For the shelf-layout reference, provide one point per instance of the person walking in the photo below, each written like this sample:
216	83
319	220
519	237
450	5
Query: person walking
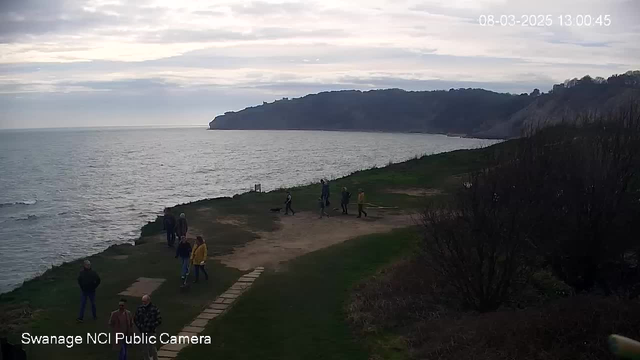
147	320
344	201
169	224
89	282
287	203
326	192
199	257
361	203
183	251
121	322
182	226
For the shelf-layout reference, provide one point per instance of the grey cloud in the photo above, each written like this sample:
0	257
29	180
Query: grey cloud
128	84
22	19
381	82
211	13
76	23
264	8
217	35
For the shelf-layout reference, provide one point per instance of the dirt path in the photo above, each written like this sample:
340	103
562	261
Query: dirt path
304	233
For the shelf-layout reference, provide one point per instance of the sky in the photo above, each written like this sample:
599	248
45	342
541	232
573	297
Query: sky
67	63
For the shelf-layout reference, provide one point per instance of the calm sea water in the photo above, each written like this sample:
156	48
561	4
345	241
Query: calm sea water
74	192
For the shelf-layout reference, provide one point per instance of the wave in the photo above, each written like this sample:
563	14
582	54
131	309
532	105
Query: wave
25	202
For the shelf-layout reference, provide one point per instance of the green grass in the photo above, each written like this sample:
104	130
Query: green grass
57	297
317	284
299	313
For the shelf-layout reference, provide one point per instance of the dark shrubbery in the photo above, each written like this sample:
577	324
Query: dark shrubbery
408	300
566	198
535	256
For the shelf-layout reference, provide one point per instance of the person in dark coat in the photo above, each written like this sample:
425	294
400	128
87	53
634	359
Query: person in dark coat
182	227
325	192
344	201
184	253
89	282
147	320
169	223
287	203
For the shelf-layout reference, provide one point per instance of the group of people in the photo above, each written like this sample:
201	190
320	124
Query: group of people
323	201
147	316
146	319
175	228
189	256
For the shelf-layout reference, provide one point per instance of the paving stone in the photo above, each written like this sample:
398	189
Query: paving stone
218	306
189	334
242	285
199	322
142	286
260	268
212	311
207	316
228	296
193	329
251	275
219	300
246	279
165	354
233	292
173	347
229	301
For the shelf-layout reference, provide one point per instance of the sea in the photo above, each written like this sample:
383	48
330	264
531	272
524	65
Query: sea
70	193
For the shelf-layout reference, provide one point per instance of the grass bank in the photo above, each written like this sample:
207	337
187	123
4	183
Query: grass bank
299	313
313	293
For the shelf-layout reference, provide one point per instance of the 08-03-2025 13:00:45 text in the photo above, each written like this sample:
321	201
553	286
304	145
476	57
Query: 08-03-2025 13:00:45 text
545	20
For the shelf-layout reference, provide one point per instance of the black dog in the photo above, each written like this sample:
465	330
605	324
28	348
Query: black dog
276	210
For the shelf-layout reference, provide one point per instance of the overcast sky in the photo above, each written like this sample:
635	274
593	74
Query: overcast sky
116	62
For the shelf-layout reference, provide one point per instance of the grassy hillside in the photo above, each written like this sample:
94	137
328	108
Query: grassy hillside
48	305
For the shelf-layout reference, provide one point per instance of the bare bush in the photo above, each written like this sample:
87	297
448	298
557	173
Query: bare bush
566	195
481	243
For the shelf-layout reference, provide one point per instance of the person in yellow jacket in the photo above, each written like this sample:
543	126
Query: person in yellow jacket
199	257
361	203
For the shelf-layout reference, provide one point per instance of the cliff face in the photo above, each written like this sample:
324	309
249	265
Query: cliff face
472	112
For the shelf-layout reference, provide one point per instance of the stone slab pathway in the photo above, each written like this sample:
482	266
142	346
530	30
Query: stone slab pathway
217	308
142	286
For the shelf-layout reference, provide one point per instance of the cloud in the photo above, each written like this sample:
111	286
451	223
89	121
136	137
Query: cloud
184	52
263	8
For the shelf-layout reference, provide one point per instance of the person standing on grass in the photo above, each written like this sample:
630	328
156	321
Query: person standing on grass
288	205
199	257
169	223
89	282
147	320
121	322
344	202
184	252
182	226
361	204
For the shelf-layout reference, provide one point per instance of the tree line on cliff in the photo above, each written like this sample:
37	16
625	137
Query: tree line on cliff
468	112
